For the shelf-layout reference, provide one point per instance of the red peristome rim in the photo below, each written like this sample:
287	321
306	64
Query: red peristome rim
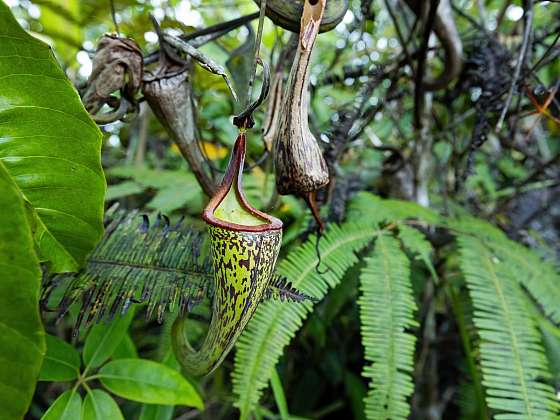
235	170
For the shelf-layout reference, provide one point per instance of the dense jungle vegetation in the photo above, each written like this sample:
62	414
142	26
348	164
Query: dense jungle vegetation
350	208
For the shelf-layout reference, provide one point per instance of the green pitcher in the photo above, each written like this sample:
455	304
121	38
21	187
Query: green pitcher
245	244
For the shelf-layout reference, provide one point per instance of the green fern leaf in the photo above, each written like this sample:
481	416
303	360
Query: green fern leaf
275	324
374	210
416	243
135	263
538	276
512	357
386	312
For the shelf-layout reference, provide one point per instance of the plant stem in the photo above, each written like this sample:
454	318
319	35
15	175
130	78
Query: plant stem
457	309
279	395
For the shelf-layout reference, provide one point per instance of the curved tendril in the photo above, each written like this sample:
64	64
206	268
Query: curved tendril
117	114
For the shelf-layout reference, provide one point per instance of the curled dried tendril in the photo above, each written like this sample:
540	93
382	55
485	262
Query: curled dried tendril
117	68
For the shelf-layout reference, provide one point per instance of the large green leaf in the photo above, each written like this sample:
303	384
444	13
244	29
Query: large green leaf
22	341
62	361
50	147
148	382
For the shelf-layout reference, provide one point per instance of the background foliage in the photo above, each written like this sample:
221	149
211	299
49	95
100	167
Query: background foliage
423	310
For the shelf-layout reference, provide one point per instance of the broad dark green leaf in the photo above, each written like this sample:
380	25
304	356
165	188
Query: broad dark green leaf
104	338
149	382
98	405
50	147
22	341
68	406
62	361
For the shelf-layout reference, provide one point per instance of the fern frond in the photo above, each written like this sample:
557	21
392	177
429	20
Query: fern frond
416	243
281	289
135	263
372	209
386	312
275	324
540	277
512	357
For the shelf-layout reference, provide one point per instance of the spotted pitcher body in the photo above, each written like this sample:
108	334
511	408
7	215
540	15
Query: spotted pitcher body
245	245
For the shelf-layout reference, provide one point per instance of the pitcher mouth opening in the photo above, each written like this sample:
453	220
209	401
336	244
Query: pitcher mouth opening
229	208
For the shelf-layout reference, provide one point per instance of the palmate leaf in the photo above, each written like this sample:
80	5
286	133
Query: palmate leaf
386	312
50	147
512	356
275	323
161	265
